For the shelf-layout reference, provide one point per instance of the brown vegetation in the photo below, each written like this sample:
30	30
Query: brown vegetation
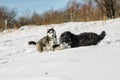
74	11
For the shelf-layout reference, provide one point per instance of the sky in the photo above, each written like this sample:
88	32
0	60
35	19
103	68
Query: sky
39	6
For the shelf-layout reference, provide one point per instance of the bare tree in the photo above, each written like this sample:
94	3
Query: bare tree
73	6
107	7
8	15
36	19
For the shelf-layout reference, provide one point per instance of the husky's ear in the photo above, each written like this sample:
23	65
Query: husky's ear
47	28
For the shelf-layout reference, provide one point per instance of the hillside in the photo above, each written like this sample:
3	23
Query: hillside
19	61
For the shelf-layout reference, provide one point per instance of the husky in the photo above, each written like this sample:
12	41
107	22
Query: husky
58	47
47	42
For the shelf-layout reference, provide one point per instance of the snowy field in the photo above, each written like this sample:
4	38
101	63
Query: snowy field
19	61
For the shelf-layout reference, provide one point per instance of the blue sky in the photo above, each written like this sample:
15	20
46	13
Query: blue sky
39	6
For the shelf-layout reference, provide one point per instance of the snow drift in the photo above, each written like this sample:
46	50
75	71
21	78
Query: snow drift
19	61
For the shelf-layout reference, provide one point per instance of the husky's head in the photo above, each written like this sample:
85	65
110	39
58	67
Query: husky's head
51	33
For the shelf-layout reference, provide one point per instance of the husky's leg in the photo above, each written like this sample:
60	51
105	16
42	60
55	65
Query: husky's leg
39	47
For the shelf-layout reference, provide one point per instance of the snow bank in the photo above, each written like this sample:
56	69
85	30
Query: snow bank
19	61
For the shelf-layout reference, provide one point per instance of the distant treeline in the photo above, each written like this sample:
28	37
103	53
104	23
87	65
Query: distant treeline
75	11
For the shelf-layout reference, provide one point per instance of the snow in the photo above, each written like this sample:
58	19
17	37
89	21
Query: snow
19	61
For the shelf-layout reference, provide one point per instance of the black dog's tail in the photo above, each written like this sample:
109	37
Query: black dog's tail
32	43
102	35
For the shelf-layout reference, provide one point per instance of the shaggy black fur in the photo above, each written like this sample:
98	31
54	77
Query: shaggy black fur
83	39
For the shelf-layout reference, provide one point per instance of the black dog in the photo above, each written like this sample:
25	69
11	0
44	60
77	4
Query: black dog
83	39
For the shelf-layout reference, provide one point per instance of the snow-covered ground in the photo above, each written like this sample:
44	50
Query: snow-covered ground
19	61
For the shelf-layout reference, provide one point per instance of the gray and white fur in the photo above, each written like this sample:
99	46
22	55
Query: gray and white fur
58	47
47	42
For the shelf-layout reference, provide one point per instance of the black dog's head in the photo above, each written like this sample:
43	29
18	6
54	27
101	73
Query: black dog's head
66	38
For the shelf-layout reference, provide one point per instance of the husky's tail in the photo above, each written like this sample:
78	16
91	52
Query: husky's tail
102	35
32	43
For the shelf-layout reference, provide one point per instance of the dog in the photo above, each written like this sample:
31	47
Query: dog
58	47
83	39
46	43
